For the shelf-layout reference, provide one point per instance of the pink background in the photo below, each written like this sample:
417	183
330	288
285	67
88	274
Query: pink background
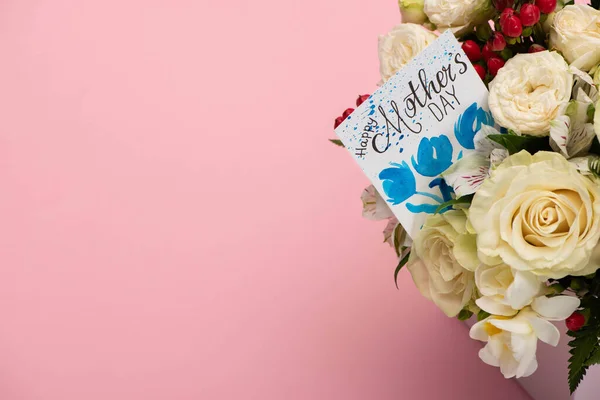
174	224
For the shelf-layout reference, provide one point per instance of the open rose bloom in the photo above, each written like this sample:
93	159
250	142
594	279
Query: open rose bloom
520	251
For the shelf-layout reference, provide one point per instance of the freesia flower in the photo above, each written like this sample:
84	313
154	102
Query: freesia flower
505	291
512	342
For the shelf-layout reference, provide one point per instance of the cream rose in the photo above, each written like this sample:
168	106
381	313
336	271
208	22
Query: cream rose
530	91
537	213
460	16
575	32
443	259
400	45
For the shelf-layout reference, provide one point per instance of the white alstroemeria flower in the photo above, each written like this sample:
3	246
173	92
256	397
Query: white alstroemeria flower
572	134
512	342
505	291
374	206
467	174
395	235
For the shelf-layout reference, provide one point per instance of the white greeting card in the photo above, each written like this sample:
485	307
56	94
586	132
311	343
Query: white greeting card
415	126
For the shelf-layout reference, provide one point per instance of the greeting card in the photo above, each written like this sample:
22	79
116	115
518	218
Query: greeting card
416	126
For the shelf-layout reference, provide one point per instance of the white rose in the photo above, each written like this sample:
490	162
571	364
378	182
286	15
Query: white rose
575	32
505	291
442	260
512	343
412	11
537	213
530	91
460	16
400	45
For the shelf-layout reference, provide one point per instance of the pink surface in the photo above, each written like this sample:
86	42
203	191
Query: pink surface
175	224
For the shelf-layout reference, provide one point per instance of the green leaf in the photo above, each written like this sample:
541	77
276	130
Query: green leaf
594	358
337	142
514	143
585	343
481	315
461	200
401	264
464	315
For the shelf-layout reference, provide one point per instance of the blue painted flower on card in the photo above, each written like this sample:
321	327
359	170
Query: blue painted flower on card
398	183
434	156
469	123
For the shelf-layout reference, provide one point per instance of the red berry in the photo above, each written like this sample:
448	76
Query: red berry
480	70
512	26
575	322
535	48
506	13
494	64
347	113
472	50
338	122
497	42
502	4
546	6
487	52
361	99
530	14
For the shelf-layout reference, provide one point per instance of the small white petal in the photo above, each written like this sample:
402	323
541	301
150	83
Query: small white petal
523	289
555	308
478	331
491	304
545	331
487	357
515	325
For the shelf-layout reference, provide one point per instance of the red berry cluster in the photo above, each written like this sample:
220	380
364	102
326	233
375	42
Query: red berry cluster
492	61
514	33
360	99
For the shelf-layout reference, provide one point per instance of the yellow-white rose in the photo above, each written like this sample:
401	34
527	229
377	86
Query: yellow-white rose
460	16
530	91
537	213
575	32
443	259
400	45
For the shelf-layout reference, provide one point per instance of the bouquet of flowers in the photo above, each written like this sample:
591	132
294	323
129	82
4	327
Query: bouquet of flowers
516	245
